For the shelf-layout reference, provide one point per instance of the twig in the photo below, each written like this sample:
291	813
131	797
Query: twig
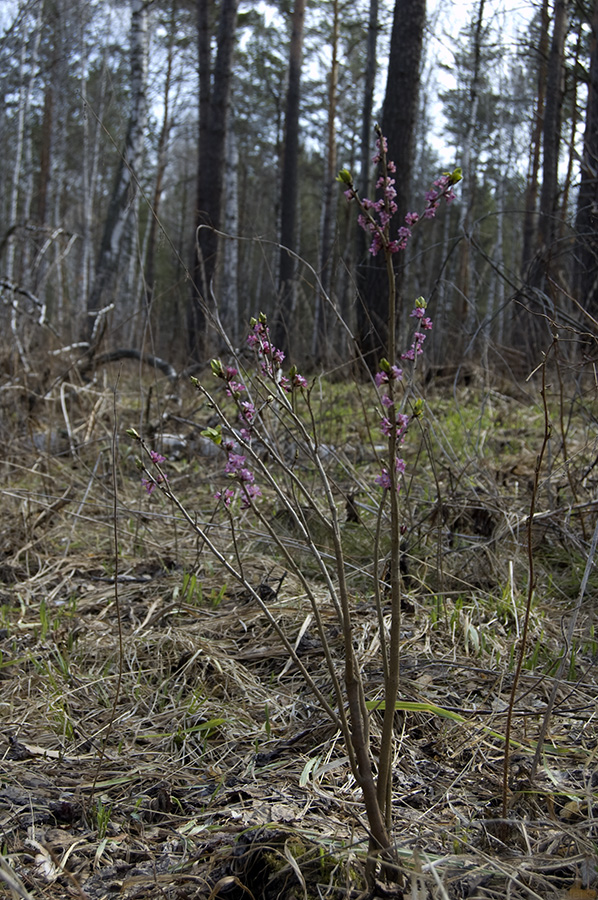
563	659
530	594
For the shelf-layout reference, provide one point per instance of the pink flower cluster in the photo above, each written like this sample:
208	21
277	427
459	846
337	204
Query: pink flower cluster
270	357
150	484
270	362
236	468
423	322
443	189
376	215
386	376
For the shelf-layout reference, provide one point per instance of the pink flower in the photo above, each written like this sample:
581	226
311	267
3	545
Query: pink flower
150	486
234	463
248	411
250	492
156	457
226	496
383	480
234	387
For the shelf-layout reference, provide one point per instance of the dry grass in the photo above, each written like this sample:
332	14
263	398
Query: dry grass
190	760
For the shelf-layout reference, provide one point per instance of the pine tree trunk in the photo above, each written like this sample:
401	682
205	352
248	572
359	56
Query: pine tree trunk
531	192
465	312
283	322
547	226
213	111
399	116
586	248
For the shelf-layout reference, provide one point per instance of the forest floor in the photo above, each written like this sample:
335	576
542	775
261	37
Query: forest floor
160	742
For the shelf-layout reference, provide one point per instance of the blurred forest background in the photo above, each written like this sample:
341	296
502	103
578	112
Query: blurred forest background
125	126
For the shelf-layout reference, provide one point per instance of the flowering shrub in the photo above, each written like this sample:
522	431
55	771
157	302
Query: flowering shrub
264	403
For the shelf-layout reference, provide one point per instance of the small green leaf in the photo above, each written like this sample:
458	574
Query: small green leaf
217	368
344	176
213	434
418	408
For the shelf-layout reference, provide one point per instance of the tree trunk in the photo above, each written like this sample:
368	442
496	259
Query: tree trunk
547	225
214	96
465	303
150	265
125	187
531	192
229	282
322	340
398	125
283	322
586	248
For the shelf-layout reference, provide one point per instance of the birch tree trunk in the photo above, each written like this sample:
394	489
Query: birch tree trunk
20	200
162	159
229	277
125	186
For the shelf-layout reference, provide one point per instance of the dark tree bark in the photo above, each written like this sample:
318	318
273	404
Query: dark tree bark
398	125
547	225
531	191
283	322
529	318
365	163
464	304
214	93
586	250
